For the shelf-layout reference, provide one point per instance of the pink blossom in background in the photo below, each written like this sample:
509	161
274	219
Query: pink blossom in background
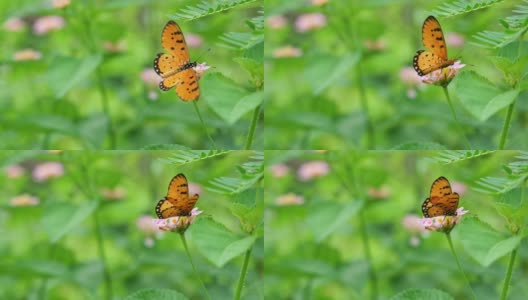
289	199
27	54
454	39
146	224
47	170
276	22
413	224
60	3
150	77
279	170
379	193
459	187
14	24
46	24
375	45
14	171
312	169
24	200
193	40
153	95
114	47
319	2
116	193
311	21
412	80
287	51
55	151
195	188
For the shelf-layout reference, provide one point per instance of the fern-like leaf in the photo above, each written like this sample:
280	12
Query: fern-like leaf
250	173
517	174
246	40
453	156
184	157
463	6
206	8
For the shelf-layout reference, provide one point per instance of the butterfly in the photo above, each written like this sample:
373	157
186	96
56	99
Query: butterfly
175	67
425	62
177	202
442	201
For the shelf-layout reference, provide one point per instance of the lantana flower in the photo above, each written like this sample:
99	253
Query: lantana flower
178	223
443	77
444	223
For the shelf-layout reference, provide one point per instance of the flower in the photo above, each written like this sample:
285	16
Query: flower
443	223
46	24
454	40
194	188
115	193
443	77
115	47
289	199
312	169
379	193
459	187
24	200
200	69
375	45
311	21
287	51
179	223
150	77
60	3
146	224
27	54
319	2
193	40
279	170
14	24
276	22
47	170
412	81
14	171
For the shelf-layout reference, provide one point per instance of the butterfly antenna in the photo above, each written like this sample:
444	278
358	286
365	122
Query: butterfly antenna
203	52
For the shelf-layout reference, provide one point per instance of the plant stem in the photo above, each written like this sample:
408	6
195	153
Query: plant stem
446	92
506	126
252	127
106	110
100	248
243	272
184	241
368	256
371	144
506	284
203	125
448	235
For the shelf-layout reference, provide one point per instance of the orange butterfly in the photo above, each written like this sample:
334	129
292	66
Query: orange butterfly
177	202
425	62
175	68
442	202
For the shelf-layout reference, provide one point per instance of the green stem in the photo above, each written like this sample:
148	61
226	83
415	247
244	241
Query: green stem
448	235
446	92
371	144
203	125
252	127
106	110
506	126
506	283
184	241
243	272
100	248
368	257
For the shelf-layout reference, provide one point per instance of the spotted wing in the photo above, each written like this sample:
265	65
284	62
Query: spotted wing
165	209
165	64
173	41
178	195
442	200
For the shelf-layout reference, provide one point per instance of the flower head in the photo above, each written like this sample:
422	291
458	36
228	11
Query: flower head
319	2
60	3
290	199
444	223
193	40
179	223
200	69
279	170
382	192
443	77
46	24
150	77
116	193
14	24
47	170
14	171
311	21
287	51
277	21
146	225
24	200
312	169
27	54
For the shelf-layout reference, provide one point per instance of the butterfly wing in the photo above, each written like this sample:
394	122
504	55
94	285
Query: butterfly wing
187	87
424	62
173	41
165	209
178	195
442	200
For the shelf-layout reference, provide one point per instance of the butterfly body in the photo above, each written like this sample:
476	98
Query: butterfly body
435	57
175	68
177	202
442	200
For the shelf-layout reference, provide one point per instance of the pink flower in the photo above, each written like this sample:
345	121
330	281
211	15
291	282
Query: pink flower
27	54
319	2
116	193
443	77
14	171
375	45
47	170
379	193
200	69
150	77
412	81
14	24
287	51
454	40
193	40
312	169
179	223
115	47
146	225
24	200
289	199
277	22
311	21
153	95
46	24
195	188
413	224
279	170
444	223
60	3
459	187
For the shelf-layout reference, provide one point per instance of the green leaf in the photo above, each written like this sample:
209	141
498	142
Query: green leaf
217	243
254	68
165	147
60	218
66	72
420	294
158	294
51	123
499	102
325	70
326	217
474	92
484	243
419	146
247	209
227	99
